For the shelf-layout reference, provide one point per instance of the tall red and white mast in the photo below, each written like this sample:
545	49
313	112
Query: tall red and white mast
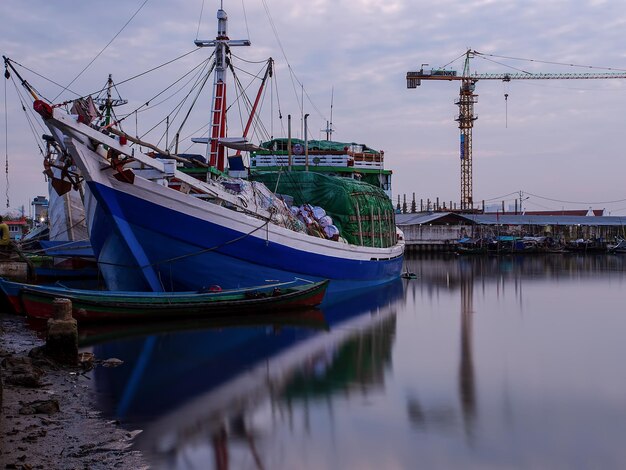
215	151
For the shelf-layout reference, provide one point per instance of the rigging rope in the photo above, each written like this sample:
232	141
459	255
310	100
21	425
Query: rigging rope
31	119
264	61
99	91
44	78
147	103
242	94
158	66
292	73
245	17
188	255
206	250
45	237
103	49
176	108
200	19
280	114
6	140
194	101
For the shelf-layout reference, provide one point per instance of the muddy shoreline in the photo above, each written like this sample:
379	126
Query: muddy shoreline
48	417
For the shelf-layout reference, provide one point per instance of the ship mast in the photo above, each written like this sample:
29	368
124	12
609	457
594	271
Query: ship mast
107	104
217	130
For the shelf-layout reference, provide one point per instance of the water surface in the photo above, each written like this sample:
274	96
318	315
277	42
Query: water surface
511	362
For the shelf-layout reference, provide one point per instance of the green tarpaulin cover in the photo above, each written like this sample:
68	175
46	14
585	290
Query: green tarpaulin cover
363	213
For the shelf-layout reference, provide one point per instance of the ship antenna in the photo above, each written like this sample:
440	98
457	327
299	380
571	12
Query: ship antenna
329	125
330	128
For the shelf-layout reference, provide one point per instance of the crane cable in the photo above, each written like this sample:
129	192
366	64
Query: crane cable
550	62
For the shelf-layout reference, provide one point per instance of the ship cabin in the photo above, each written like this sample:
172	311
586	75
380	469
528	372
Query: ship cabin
350	160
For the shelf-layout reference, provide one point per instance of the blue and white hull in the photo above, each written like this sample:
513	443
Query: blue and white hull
188	252
148	236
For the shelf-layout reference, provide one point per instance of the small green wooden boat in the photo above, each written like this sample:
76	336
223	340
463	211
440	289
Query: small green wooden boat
94	305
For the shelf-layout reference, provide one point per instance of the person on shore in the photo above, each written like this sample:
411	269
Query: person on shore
5	236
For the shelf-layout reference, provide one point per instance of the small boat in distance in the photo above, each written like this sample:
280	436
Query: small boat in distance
94	305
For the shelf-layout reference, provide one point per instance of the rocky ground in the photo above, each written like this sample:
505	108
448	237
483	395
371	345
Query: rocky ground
48	419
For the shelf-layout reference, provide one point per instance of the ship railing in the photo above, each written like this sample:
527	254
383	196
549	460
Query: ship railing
368	160
300	160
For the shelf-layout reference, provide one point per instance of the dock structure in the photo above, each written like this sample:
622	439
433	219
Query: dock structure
441	231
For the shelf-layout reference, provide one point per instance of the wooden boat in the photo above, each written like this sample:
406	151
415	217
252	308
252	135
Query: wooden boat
618	247
11	291
590	246
94	305
214	217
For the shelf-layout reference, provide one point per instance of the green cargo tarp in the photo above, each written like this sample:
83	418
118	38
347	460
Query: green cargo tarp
363	213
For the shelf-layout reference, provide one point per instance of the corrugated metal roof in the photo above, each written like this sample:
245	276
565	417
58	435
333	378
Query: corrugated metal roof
511	219
422	218
506	219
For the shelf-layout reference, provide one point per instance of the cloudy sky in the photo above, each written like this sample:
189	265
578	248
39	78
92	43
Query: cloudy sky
558	141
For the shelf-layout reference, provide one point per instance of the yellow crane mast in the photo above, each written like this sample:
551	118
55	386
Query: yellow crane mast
467	99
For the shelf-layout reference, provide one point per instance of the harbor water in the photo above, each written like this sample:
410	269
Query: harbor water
479	363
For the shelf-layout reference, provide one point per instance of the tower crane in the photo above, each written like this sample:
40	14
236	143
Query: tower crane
467	99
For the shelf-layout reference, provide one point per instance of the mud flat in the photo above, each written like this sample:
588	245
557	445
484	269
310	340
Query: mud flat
48	419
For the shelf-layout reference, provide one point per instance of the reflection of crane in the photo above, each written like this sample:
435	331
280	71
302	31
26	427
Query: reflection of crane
467	98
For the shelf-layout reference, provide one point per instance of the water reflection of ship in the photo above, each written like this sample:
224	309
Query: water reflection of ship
446	271
195	388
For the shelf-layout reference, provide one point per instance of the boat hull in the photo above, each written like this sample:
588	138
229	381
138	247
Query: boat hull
91	306
149	236
189	252
11	291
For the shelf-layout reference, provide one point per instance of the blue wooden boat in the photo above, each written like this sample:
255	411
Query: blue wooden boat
155	225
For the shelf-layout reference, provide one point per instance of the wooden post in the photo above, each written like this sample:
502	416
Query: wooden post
289	162
380	229
373	235
62	340
358	218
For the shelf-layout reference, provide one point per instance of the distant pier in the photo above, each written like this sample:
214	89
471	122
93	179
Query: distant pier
441	231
